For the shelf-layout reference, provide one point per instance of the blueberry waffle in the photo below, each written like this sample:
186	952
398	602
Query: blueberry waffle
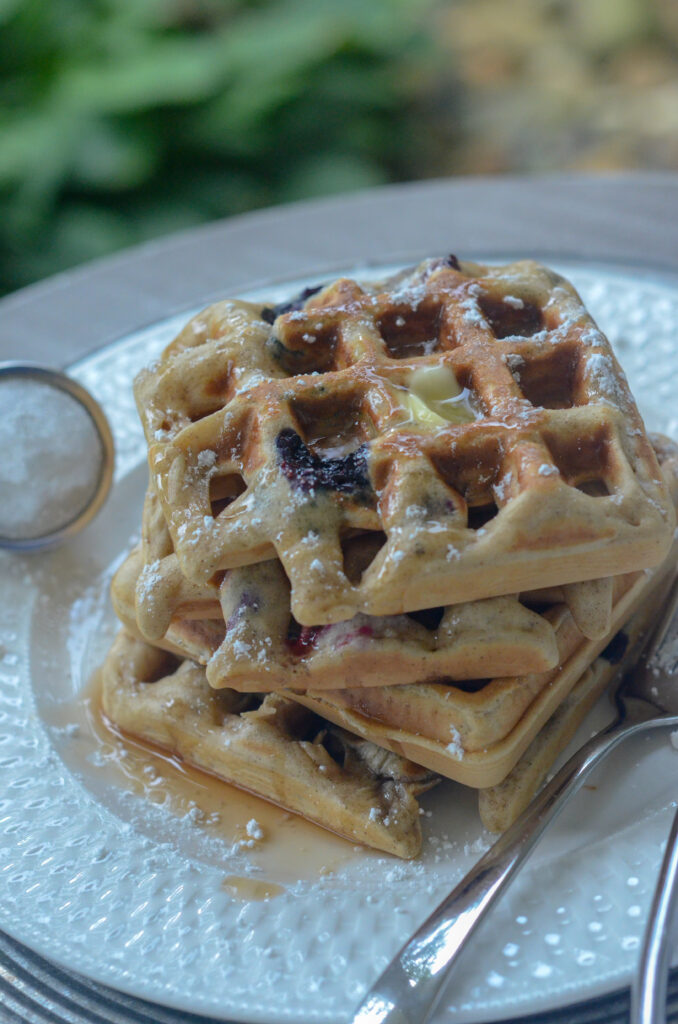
436	715
269	746
476	733
473	732
472	420
244	631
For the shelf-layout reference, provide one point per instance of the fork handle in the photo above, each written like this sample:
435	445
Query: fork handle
648	992
410	987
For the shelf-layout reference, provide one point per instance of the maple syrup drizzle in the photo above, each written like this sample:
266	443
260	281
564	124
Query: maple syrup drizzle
283	848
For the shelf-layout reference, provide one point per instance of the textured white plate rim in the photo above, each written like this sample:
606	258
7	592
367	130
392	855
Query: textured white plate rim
172	991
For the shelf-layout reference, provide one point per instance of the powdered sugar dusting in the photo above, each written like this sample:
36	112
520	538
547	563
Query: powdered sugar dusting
603	378
455	747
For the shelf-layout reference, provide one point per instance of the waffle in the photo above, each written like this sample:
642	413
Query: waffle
286	438
151	589
255	644
500	805
476	734
473	734
245	634
195	638
269	746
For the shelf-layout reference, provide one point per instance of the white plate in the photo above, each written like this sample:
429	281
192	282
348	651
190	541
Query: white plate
122	890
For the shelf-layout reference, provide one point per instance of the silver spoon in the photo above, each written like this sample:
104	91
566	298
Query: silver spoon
409	989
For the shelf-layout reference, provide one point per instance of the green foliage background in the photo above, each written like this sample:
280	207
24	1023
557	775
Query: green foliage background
121	120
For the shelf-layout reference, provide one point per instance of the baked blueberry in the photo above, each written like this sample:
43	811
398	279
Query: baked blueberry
270	313
304	469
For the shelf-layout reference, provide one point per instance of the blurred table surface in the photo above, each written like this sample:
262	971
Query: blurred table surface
627	218
622	219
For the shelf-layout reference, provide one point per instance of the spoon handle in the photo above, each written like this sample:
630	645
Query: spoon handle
648	992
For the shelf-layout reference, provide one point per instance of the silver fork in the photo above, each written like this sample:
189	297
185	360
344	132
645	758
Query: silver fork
648	991
411	986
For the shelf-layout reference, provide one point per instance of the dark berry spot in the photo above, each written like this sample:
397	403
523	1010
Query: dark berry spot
301	639
452	261
616	649
430	618
468	685
305	470
270	313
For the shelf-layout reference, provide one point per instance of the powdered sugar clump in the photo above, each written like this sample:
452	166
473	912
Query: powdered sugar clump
254	829
472	312
455	746
253	835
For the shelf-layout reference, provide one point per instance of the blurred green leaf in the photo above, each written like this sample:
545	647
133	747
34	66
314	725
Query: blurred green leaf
330	174
23	141
7	9
106	156
168	71
76	233
120	120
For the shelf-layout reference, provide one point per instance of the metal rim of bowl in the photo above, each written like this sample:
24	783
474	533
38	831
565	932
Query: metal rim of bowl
60	380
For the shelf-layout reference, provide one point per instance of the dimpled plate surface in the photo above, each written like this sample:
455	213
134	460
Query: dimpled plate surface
112	887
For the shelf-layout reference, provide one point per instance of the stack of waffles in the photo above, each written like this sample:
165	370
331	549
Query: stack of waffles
394	532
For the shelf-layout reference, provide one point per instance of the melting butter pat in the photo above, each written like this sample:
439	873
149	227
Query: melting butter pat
435	398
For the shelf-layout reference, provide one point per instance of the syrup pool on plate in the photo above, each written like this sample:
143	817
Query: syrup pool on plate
279	847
